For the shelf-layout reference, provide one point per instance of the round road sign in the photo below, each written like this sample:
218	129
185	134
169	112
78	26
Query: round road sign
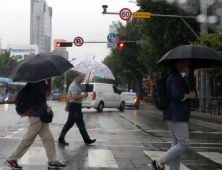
78	41
125	14
111	37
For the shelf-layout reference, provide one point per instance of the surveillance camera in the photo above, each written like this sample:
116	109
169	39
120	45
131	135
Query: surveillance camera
105	6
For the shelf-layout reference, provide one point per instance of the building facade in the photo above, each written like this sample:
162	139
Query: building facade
21	52
41	25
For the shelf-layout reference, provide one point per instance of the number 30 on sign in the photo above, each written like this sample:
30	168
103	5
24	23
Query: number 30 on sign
125	14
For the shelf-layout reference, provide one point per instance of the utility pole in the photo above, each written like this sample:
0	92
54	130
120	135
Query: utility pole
204	90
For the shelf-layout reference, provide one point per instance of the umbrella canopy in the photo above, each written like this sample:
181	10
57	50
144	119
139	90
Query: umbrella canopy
200	56
40	67
89	66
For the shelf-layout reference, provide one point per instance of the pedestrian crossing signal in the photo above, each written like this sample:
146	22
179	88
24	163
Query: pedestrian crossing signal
63	44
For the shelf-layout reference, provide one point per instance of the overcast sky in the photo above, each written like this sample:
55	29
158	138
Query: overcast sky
71	18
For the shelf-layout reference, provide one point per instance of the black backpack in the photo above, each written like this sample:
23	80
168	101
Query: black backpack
159	94
24	100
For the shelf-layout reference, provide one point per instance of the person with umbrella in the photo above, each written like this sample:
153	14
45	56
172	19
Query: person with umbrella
35	70
176	115
74	107
36	127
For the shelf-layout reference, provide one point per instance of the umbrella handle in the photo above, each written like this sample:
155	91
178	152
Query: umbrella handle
87	86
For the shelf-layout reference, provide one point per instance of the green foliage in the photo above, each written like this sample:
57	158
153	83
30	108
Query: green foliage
213	41
58	82
162	33
6	64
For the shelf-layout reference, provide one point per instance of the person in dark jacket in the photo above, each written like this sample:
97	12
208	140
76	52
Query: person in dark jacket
176	116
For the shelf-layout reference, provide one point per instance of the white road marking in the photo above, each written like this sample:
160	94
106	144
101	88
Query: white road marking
15	132
205	124
155	155
34	156
125	146
100	130
162	131
214	156
116	141
8	136
101	159
20	129
205	147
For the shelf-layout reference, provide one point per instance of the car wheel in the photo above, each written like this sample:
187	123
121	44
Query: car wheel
100	107
122	106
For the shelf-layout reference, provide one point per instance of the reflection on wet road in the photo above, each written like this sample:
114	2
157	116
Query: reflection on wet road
125	140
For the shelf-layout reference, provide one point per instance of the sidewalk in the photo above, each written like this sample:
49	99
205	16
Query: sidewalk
195	115
207	117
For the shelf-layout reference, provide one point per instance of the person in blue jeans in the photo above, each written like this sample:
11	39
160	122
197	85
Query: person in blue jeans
36	127
176	116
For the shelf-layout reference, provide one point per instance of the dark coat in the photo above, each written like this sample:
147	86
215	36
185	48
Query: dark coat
176	89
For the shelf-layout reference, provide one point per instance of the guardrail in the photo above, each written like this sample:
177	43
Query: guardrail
204	105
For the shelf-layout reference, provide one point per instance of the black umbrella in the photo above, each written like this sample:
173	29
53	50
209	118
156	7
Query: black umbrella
40	67
200	56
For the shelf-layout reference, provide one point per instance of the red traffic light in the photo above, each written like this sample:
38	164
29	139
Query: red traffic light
121	45
58	44
63	44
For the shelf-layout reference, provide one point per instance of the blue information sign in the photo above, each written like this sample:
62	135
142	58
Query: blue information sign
111	37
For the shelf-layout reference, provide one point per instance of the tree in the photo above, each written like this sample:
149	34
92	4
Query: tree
163	33
58	82
6	64
213	41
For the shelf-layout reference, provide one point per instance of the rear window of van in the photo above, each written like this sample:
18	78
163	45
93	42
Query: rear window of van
86	87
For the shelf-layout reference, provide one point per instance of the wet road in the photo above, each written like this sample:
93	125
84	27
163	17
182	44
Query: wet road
125	140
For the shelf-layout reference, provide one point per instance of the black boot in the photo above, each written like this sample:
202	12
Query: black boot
89	141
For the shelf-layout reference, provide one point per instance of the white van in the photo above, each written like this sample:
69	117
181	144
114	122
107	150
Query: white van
102	96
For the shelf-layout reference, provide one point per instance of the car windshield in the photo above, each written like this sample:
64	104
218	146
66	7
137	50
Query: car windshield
13	88
3	88
86	87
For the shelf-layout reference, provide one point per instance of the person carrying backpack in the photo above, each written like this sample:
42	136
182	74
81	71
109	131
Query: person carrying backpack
30	102
176	114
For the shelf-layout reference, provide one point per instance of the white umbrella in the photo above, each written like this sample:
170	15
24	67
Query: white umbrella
89	66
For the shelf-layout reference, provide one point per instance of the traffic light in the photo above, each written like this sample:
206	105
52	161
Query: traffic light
63	44
123	44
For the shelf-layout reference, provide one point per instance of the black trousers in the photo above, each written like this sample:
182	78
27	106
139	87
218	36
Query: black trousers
75	116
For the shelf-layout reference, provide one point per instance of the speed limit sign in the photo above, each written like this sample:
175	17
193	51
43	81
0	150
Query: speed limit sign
125	14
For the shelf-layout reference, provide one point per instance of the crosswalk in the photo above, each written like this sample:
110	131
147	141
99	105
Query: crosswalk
214	156
155	155
103	158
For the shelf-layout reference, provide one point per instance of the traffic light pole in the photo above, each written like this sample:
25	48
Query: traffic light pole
164	16
156	15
